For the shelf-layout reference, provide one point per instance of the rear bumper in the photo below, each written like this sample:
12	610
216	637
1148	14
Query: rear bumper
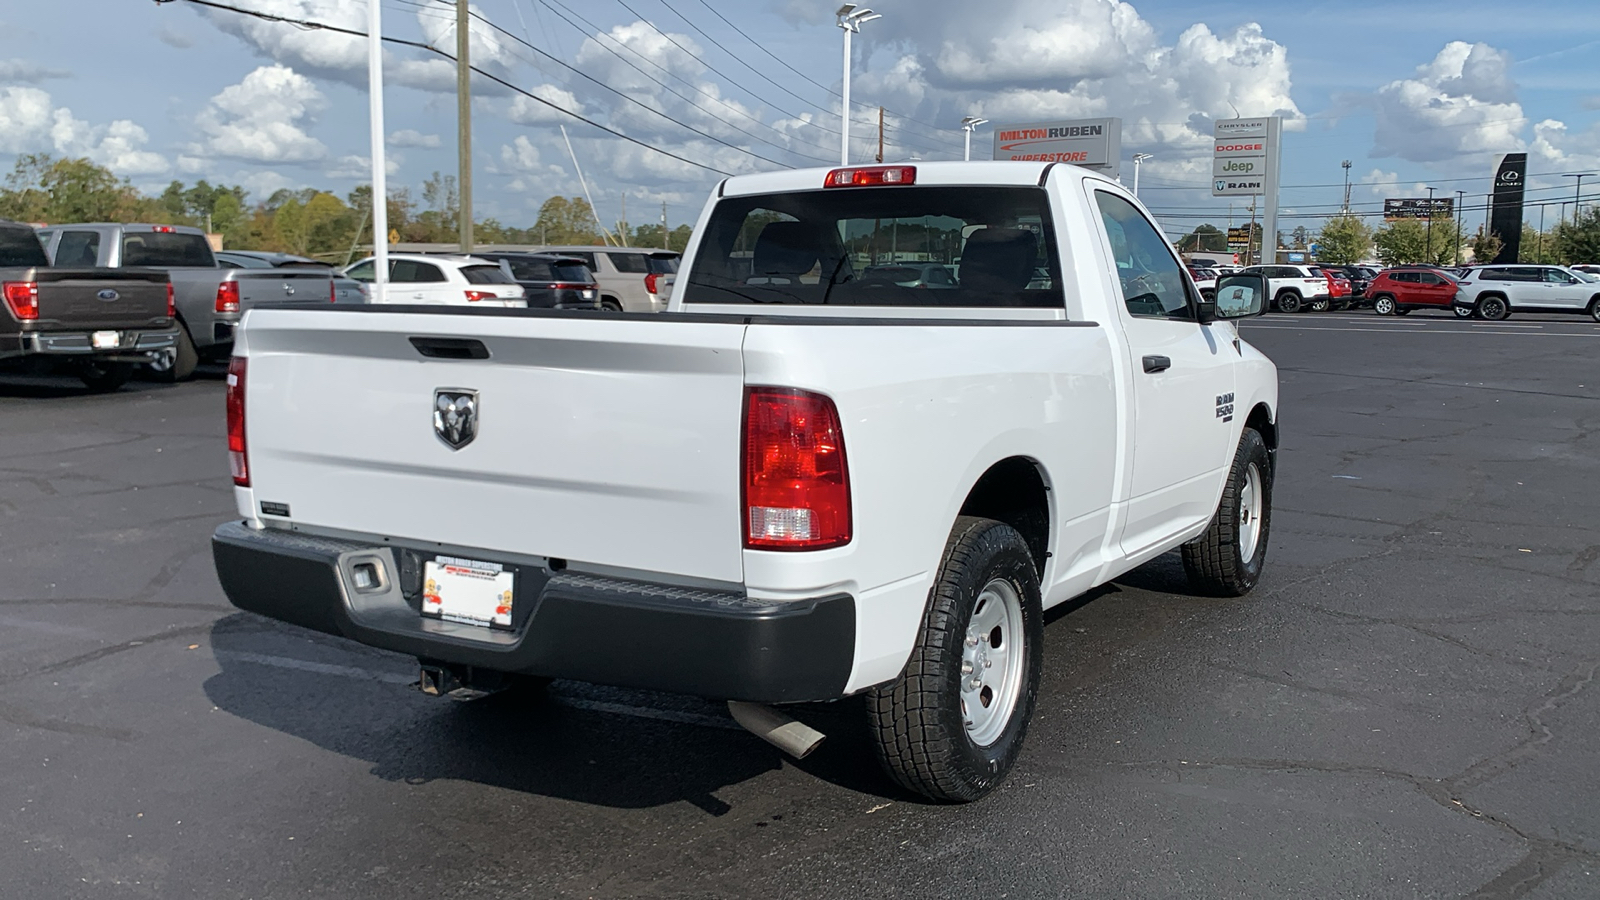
630	633
134	345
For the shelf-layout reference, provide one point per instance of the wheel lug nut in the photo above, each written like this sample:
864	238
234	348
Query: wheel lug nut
966	668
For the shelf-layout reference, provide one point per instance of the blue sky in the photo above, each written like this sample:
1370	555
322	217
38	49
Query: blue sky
1426	94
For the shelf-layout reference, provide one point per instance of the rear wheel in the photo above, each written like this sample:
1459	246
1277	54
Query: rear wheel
1463	312
176	364
1289	302
105	376
1320	305
611	304
1493	309
1227	560
951	726
1383	305
1594	309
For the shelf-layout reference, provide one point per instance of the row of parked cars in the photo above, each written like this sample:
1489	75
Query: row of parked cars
76	294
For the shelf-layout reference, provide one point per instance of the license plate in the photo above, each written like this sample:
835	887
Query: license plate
467	590
106	340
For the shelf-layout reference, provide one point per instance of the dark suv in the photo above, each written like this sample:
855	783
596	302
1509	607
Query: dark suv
1398	291
552	280
1360	278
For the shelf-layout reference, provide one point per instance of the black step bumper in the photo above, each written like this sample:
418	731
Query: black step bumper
630	633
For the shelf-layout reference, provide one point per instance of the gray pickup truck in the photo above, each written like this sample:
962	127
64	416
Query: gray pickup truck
100	323
210	299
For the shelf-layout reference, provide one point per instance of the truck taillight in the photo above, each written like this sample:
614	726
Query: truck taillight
23	299
795	478
333	291
869	176
228	297
172	303
238	455
475	296
651	282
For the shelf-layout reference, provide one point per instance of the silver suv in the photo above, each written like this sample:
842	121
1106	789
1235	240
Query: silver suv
1493	292
632	279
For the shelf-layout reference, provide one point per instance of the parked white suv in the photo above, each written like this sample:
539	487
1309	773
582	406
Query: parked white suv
1295	288
632	279
1492	292
443	281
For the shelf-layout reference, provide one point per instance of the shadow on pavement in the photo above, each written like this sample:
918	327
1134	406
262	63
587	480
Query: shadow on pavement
603	746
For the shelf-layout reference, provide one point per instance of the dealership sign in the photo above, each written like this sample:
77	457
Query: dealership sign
1418	208
1091	143
1244	156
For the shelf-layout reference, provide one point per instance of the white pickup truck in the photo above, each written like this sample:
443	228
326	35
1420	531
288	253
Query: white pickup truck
795	484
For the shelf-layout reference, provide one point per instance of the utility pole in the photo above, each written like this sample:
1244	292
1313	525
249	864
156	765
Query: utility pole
664	226
1461	198
1428	242
1346	164
1251	239
880	134
622	226
464	122
1577	195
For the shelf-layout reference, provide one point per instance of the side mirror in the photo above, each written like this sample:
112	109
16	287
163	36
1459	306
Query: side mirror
1238	296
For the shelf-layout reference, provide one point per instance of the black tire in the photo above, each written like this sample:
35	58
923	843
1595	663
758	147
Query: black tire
180	366
1493	308
1383	305
1462	312
1288	302
1594	309
917	721
1320	305
1215	561
104	377
1402	310
610	304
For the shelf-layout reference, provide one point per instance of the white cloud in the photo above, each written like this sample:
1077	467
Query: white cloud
31	122
261	119
172	37
1461	102
408	137
22	71
360	167
520	153
527	111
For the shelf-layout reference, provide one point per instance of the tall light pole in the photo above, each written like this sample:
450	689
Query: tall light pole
464	124
969	124
380	189
1461	197
1428	242
850	20
1346	165
1138	160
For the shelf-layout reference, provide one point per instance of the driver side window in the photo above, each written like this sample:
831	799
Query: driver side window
1152	281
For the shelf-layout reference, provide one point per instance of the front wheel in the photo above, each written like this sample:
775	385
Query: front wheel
610	305
1594	309
1493	309
1463	312
951	726
1383	305
1320	305
1289	302
1226	561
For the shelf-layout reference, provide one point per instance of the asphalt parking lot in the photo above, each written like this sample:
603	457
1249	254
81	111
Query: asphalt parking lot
1405	707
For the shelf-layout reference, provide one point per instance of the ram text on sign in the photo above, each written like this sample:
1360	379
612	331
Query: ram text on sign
1237	187
1091	143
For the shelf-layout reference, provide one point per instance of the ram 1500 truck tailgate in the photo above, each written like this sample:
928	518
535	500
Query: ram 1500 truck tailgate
603	441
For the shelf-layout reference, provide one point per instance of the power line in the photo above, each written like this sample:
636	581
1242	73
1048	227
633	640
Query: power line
667	88
323	26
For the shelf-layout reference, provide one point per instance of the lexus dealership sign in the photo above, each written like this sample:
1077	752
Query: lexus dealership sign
1091	143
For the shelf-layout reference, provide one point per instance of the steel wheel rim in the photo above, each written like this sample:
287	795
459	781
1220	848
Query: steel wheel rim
992	657
1250	512
1384	306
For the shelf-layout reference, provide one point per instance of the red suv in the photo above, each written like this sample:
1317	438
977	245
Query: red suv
1396	292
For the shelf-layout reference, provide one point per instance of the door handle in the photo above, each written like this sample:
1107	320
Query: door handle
1157	364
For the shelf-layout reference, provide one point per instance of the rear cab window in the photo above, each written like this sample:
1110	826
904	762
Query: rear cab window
78	248
20	247
662	264
164	248
815	247
630	263
486	275
530	269
572	271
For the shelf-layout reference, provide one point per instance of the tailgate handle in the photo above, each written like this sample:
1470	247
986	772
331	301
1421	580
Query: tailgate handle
1157	363
450	348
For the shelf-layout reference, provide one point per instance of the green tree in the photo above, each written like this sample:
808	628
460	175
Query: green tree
1204	237
566	220
1415	241
1537	246
1485	246
1578	241
1345	240
41	188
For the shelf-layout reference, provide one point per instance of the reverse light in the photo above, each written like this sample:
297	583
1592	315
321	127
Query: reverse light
868	176
796	482
22	297
475	296
228	297
238	455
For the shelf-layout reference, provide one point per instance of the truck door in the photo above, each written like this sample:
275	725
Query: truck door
1182	375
